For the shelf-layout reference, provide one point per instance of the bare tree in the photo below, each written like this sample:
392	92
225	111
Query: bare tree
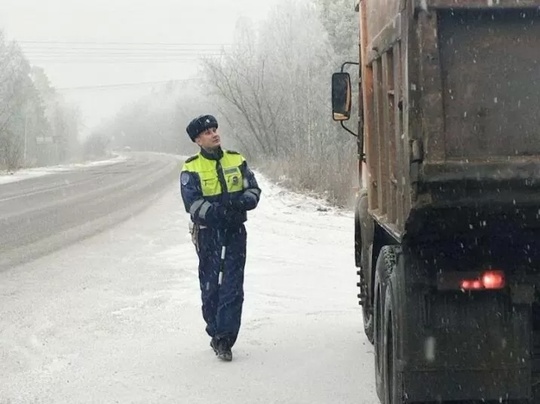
240	78
273	87
15	92
30	112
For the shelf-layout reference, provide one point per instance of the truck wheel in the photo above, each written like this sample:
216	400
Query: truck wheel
386	262
393	385
367	312
367	307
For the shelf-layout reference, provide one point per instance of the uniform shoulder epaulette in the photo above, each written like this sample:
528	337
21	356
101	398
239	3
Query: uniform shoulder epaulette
195	157
232	152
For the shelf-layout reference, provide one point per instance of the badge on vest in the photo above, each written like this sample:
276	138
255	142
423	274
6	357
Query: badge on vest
232	170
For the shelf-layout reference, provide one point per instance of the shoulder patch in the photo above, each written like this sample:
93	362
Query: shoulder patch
232	152
195	157
184	178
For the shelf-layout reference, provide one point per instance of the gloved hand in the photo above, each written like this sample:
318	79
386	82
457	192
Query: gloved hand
235	217
217	214
237	205
247	201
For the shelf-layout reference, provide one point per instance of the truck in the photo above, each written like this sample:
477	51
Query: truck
447	219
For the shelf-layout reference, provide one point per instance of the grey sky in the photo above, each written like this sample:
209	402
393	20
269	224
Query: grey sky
194	26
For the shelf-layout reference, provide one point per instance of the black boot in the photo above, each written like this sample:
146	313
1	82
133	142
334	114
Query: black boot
214	345
223	351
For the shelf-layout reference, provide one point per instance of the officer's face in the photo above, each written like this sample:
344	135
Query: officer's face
209	139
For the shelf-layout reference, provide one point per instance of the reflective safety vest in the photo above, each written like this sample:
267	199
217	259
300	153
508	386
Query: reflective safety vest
213	174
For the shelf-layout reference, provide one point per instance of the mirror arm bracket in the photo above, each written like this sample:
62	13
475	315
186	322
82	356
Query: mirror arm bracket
348	130
348	63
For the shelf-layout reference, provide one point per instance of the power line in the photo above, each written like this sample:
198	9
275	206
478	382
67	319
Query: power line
121	54
119	85
113	61
126	56
120	58
78	52
120	50
125	48
124	43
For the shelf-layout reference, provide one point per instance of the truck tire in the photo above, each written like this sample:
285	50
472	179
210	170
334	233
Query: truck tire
386	263
392	382
367	313
367	307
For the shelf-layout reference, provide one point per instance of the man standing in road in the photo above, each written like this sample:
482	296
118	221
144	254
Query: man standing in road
218	189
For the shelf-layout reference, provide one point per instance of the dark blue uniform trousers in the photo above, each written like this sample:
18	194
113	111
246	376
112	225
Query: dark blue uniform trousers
222	304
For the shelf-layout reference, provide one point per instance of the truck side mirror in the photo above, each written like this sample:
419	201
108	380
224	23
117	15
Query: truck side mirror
341	96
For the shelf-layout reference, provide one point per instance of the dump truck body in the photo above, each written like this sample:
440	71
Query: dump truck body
450	91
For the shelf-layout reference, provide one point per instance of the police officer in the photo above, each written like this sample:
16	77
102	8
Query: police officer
218	189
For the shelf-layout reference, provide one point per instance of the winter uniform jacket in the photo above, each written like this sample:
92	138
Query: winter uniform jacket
218	189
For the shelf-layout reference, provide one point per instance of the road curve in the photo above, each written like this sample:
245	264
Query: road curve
43	214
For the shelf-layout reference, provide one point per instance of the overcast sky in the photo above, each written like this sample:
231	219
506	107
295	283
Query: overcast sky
120	41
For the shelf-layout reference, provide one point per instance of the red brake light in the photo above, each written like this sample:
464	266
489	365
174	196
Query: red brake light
492	279
471	284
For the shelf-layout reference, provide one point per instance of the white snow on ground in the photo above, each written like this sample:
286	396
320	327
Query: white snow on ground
26	173
116	318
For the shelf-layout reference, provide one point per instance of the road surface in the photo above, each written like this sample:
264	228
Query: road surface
39	215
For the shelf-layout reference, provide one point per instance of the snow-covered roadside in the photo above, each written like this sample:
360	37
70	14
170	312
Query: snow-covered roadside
116	318
26	173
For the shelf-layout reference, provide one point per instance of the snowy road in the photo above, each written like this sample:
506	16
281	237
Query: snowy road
116	318
40	215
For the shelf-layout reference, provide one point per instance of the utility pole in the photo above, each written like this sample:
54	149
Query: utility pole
25	133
